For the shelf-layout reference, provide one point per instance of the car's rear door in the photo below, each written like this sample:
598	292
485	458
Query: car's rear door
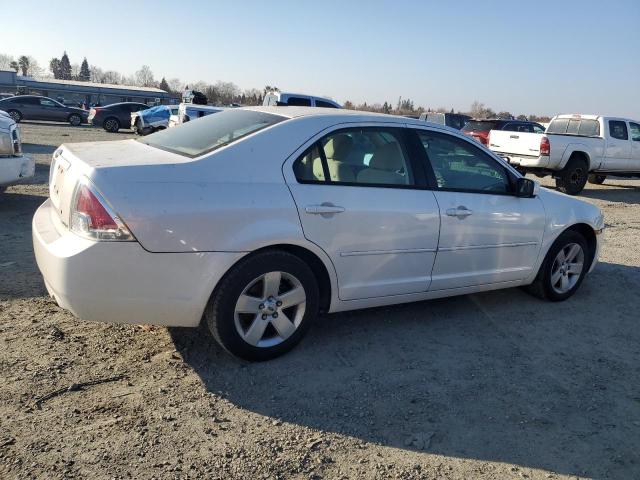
361	197
487	234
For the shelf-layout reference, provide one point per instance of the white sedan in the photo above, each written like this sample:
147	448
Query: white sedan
256	219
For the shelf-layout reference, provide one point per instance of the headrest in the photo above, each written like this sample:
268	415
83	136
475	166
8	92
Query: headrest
338	147
387	157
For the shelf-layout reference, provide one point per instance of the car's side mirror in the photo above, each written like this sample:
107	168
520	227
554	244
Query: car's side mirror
526	188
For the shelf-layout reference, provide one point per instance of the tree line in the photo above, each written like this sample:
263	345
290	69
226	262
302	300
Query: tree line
219	93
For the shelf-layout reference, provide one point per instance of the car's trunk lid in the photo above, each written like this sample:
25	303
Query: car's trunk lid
93	160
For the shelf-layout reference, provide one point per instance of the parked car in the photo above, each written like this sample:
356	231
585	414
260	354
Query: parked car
453	120
255	219
152	119
192	111
14	166
575	149
297	100
34	107
479	129
115	116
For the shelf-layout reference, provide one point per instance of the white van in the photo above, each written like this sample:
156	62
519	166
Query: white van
298	100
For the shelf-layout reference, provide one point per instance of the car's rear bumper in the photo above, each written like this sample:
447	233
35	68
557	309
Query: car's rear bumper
16	169
121	282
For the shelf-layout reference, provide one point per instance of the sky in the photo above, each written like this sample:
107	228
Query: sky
540	57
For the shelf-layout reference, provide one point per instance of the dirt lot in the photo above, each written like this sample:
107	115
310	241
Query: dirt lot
496	385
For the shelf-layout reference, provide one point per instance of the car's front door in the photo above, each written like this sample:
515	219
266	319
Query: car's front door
362	199
487	234
618	148
52	111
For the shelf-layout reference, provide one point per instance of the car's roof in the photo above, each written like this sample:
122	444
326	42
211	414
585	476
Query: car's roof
297	112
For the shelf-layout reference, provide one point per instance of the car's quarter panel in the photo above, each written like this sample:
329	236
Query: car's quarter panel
121	281
498	242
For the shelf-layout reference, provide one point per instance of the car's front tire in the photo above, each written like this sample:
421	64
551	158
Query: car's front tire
263	306
75	120
111	125
563	269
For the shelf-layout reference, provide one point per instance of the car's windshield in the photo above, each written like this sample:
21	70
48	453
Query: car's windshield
480	125
208	133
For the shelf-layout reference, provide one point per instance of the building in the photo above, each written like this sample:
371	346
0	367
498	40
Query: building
73	92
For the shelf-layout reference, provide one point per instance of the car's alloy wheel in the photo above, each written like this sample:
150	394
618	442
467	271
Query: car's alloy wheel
567	268
270	309
111	125
263	306
563	268
15	115
75	120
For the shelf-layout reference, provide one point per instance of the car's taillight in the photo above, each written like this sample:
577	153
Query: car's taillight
91	216
545	146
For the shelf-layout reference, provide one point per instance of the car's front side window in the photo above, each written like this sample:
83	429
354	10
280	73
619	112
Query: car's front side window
459	165
618	130
367	156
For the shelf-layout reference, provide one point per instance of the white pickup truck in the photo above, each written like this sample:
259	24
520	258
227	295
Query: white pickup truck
574	149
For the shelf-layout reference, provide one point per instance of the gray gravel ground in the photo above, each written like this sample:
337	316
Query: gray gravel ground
494	385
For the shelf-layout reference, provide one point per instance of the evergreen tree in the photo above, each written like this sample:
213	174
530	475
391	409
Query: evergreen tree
65	67
164	85
85	73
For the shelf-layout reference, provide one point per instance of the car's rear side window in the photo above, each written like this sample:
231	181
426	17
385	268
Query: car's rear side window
299	102
323	104
367	156
481	126
213	131
618	130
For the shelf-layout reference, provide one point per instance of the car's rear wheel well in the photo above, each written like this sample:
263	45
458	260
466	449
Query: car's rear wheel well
580	156
314	262
590	236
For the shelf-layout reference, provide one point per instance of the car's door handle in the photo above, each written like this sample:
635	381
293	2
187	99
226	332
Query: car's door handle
325	208
460	212
514	136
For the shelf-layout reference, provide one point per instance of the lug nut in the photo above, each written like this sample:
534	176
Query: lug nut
275	315
264	316
279	303
261	306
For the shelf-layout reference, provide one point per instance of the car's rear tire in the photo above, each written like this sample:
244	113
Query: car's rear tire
75	120
263	306
111	124
15	115
573	177
596	179
563	268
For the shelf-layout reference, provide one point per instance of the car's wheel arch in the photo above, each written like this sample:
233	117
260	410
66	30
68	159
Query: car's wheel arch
314	257
584	229
576	151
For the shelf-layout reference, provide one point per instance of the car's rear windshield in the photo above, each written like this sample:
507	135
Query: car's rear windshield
205	134
575	126
480	125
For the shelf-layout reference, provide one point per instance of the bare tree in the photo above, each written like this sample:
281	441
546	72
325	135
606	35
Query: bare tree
5	61
144	77
175	84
